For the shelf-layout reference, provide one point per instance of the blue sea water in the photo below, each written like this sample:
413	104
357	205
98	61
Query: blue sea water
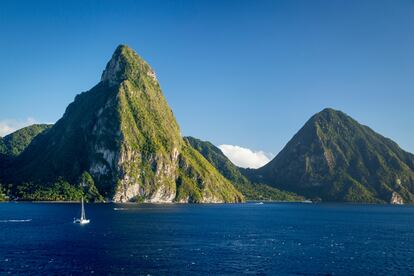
268	239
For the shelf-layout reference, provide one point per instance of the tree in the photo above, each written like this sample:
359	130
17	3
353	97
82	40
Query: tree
3	196
90	191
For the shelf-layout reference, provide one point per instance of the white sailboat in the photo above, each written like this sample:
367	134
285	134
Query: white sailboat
82	219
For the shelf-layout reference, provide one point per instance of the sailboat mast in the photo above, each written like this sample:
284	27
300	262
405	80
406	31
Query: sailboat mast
83	211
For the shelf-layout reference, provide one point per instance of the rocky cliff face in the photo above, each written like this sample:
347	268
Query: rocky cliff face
123	132
335	158
396	199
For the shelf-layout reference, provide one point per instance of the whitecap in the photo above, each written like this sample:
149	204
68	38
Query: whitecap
16	220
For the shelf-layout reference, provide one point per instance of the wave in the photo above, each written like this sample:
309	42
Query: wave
16	220
120	209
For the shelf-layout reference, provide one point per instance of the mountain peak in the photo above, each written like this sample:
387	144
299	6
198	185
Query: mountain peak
329	116
124	134
335	158
126	64
329	112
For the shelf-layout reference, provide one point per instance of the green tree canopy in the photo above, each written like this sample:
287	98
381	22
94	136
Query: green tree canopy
90	191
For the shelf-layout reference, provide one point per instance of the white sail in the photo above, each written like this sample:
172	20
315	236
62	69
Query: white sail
83	211
82	219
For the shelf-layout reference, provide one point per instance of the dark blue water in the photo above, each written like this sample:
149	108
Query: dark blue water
207	239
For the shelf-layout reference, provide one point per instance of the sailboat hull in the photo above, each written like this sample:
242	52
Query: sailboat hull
81	221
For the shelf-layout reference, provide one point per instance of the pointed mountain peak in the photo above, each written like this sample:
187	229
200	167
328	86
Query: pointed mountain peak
335	158
329	116
329	112
127	138
126	64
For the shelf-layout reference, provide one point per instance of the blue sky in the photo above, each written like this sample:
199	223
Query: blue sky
245	73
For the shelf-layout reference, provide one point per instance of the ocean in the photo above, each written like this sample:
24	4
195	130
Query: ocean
223	239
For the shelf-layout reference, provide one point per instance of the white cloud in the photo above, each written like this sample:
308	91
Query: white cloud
8	126
246	158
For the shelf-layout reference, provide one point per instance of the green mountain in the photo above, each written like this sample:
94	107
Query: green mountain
335	158
252	191
124	134
14	143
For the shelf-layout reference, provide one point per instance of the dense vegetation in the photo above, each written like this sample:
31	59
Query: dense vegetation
125	135
61	190
335	158
252	191
58	191
14	143
201	182
121	139
89	190
3	193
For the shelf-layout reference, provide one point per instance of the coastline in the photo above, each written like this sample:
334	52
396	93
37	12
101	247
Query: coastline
206	203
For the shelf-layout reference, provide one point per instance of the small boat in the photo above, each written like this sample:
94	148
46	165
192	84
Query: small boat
82	219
